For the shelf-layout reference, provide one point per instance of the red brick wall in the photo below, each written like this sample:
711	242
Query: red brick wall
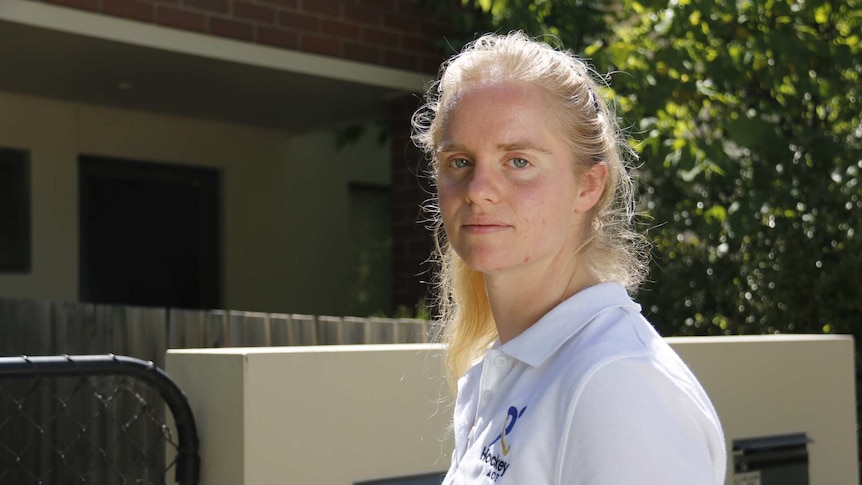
393	33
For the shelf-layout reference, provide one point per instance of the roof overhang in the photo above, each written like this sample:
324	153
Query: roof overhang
72	55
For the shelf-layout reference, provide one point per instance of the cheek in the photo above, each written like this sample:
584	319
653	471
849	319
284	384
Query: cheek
549	208
447	201
537	206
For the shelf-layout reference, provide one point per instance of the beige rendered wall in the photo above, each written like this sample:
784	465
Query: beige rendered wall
337	415
317	415
285	197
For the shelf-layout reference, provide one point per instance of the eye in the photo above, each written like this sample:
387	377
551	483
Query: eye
459	163
519	162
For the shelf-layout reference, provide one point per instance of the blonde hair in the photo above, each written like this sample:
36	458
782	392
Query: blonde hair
616	252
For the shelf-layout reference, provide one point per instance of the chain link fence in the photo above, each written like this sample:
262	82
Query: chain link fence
94	419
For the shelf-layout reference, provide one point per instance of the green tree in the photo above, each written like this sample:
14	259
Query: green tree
746	115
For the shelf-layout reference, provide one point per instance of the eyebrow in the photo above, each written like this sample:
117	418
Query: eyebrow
503	147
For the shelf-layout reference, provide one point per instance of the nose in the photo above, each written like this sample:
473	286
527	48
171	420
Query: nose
483	185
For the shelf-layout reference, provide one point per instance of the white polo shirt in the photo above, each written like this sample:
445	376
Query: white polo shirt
589	395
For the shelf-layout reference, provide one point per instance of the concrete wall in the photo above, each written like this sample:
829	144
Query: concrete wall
285	197
338	415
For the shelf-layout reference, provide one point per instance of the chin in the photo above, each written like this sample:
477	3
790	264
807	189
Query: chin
484	263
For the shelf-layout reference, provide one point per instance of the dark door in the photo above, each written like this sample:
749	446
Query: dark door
149	233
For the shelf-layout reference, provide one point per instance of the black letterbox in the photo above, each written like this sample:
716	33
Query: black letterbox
426	479
771	460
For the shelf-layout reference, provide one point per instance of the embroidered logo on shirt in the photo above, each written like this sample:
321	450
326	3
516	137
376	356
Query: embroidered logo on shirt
498	465
508	425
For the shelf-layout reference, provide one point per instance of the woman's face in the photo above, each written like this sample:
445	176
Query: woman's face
509	198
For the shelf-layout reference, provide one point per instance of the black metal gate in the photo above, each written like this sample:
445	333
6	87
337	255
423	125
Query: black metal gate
93	419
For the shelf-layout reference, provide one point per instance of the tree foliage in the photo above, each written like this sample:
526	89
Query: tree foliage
746	116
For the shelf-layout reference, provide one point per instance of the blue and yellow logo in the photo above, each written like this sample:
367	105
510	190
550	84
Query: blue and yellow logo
508	426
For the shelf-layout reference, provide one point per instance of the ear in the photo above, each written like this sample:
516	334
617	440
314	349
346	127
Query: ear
591	186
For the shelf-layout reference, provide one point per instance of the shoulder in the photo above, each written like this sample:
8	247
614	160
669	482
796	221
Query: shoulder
646	383
626	392
650	411
629	376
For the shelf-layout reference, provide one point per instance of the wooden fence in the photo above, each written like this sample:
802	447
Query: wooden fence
34	327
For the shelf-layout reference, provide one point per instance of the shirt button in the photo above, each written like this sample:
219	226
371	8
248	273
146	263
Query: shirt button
501	361
487	395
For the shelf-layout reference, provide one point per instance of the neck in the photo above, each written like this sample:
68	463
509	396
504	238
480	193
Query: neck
520	300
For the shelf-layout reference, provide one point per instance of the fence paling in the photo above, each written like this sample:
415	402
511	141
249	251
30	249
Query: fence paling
355	330
303	329
279	329
187	462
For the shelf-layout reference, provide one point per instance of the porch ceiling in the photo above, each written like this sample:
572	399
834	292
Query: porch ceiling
75	67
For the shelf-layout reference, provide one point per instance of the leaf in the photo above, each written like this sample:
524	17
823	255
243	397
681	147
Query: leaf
715	214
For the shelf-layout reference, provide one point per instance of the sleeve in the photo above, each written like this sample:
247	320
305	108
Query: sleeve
632	423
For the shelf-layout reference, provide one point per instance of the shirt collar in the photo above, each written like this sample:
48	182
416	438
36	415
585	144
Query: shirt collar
536	344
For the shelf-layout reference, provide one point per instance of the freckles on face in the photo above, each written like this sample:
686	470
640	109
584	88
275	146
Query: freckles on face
505	180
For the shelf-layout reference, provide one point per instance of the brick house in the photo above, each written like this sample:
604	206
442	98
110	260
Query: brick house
191	152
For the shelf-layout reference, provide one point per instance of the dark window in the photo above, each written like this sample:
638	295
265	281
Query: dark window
14	210
150	233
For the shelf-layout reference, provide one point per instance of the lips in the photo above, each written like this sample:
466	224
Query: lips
483	226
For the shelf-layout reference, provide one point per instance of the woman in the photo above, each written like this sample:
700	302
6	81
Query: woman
569	383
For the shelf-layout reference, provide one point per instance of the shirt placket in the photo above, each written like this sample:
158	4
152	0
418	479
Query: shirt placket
495	368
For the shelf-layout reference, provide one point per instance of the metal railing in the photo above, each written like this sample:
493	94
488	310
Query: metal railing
93	419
